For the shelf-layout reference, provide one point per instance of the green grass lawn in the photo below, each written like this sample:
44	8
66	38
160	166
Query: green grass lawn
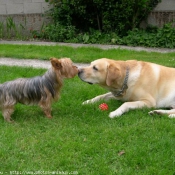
84	139
81	138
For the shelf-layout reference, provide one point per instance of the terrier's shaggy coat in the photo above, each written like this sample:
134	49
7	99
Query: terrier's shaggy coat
41	90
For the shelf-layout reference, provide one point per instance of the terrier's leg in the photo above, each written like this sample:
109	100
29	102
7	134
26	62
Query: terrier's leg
46	107
7	112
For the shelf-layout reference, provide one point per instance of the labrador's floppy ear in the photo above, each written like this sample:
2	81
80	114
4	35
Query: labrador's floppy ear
113	75
56	63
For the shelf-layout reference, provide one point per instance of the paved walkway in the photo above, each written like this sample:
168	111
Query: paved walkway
46	64
30	63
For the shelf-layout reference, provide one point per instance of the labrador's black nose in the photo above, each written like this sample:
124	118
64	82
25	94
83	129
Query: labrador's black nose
80	71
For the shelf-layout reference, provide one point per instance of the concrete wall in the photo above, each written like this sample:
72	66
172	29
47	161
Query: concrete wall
163	13
166	5
11	7
27	15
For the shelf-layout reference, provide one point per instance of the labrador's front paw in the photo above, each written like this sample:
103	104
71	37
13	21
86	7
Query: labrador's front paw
86	102
115	113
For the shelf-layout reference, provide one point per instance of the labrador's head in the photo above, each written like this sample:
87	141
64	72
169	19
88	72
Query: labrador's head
103	71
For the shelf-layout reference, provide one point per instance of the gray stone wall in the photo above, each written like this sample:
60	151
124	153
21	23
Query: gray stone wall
9	7
162	14
26	15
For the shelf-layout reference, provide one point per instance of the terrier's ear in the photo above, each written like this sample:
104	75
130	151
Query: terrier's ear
56	63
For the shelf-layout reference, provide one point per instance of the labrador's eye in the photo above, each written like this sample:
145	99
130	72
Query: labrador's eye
95	68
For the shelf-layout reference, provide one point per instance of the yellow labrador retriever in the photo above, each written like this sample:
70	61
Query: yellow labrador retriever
140	84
